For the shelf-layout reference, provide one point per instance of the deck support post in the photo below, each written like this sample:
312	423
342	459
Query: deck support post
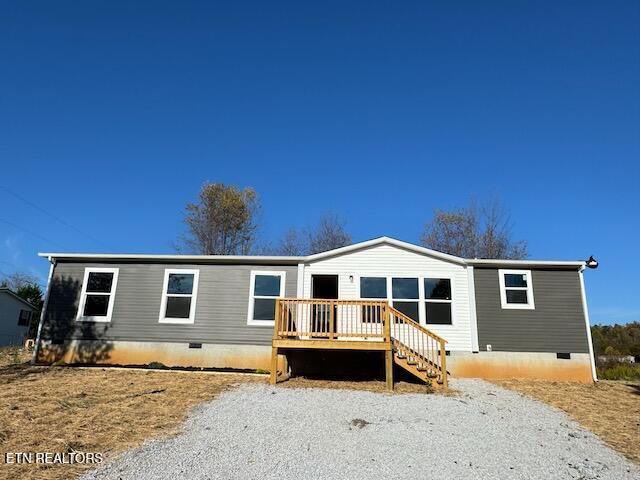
388	353
388	367
443	364
273	377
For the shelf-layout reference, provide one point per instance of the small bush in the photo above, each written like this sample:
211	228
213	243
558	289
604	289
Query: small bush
429	386
157	366
619	371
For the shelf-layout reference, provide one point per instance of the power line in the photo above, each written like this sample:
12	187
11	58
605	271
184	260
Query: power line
55	217
37	235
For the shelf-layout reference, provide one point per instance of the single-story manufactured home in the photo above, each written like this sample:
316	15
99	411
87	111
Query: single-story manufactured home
383	301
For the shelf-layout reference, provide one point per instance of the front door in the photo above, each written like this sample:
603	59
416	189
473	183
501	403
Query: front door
324	287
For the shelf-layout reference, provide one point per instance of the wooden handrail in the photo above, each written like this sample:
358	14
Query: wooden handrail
415	324
327	318
358	301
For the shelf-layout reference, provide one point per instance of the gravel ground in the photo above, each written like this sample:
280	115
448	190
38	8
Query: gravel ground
486	432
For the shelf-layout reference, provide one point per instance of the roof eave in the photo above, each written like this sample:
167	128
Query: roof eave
256	259
482	262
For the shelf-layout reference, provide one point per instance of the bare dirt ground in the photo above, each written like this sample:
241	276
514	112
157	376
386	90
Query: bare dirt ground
610	409
364	385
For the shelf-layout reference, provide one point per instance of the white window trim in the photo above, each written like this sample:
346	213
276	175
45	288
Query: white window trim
252	297
437	276
194	296
529	289
83	295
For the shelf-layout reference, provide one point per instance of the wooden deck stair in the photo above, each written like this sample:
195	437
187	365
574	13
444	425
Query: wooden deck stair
360	325
416	349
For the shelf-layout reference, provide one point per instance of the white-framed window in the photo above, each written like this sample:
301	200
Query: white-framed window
97	295
405	294
372	288
264	289
25	318
516	289
179	295
438	301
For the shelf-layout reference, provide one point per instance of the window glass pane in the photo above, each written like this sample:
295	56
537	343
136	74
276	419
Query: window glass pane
515	280
180	283
267	286
405	287
438	313
264	309
99	282
373	287
516	296
437	288
25	316
410	309
178	307
96	306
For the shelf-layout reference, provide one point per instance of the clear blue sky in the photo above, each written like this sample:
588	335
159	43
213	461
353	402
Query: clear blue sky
112	114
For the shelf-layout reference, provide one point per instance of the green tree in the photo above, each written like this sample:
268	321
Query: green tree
31	293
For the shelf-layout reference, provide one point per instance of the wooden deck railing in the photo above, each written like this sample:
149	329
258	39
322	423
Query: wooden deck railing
414	346
414	340
330	319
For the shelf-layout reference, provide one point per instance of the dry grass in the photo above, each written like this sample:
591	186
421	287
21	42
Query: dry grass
104	410
13	356
610	409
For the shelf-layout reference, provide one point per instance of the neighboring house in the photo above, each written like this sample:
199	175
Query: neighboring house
499	318
15	318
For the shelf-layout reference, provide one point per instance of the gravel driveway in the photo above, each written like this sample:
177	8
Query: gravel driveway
258	432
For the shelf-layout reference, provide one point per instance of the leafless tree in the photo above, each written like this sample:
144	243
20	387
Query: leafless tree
221	222
330	233
474	232
293	243
17	280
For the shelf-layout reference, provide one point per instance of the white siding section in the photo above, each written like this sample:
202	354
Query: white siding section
391	261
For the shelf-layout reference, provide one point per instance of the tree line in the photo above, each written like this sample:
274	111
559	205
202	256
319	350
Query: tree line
224	221
616	339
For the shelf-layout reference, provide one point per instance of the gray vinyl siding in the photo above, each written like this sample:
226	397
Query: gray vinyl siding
221	306
556	325
10	332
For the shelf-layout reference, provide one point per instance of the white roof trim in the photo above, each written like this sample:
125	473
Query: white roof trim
180	258
542	263
257	259
388	241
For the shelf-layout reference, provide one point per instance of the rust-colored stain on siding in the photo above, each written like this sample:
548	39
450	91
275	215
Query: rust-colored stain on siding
492	369
171	355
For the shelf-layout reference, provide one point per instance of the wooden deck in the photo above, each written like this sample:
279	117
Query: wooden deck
358	325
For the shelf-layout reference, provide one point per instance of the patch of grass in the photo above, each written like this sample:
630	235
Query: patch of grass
104	410
610	409
14	356
619	371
